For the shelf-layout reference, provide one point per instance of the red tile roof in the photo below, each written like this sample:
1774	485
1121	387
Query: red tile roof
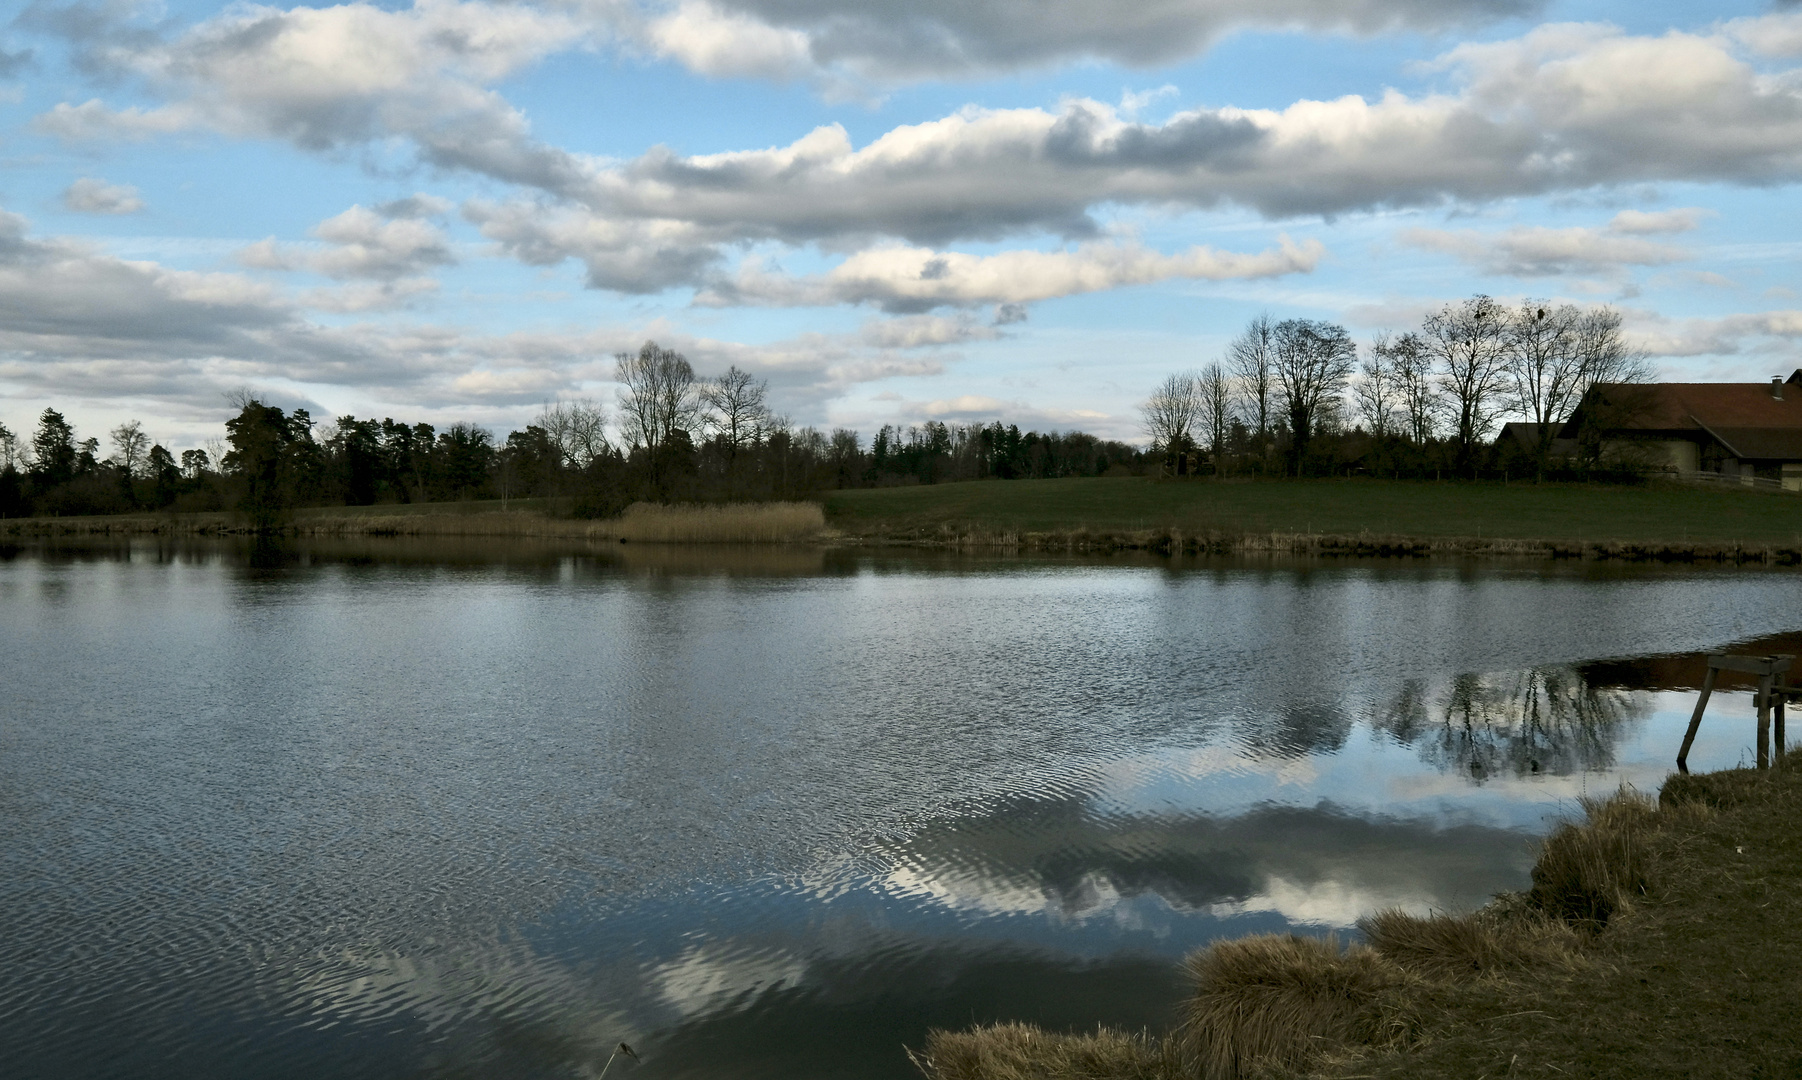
1744	417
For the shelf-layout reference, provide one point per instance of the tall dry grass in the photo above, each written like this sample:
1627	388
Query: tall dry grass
729	523
1025	1052
1487	943
1278	1000
1587	873
1275	1004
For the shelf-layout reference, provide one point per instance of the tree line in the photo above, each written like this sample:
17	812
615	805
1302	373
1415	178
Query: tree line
673	436
1299	397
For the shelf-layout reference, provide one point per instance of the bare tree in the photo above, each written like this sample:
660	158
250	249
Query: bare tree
1214	391
577	428
1313	361
659	400
1469	341
11	452
735	403
1252	357
1612	375
1605	356
130	444
1411	366
1170	415
1379	393
1546	367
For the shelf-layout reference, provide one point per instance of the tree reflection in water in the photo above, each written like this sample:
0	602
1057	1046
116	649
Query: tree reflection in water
1541	720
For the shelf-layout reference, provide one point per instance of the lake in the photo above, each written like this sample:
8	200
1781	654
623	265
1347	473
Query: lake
390	809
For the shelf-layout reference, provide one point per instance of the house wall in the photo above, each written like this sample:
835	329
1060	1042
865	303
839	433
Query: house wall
1672	455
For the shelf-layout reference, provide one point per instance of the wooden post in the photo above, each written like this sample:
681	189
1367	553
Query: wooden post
1764	721
1695	718
1777	697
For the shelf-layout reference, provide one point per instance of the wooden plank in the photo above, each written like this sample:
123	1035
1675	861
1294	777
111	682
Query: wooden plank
1695	719
1751	665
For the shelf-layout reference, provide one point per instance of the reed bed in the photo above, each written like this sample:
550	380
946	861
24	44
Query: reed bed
732	523
1280	1005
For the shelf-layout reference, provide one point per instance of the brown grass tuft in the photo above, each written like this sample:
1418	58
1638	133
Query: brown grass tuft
1279	999
1589	872
1480	944
1025	1052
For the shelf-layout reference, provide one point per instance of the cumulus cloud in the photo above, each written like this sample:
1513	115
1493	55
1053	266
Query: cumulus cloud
91	196
1565	107
77	322
891	40
326	78
366	244
917	279
1744	332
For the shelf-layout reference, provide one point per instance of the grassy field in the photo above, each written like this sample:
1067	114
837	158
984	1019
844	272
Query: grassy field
1577	513
1659	940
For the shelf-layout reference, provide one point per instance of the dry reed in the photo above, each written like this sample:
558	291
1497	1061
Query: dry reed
734	523
1587	873
1481	944
1025	1052
730	523
1280	1000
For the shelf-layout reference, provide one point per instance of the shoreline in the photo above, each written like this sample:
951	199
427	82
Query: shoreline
701	525
1655	940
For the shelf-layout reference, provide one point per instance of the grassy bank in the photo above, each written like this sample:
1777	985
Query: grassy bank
1318	517
733	523
1660	939
1333	516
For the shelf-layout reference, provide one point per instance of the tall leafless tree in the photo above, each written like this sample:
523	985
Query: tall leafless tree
659	400
1214	392
1252	357
130	444
1605	355
1545	365
1412	367
736	409
1469	342
1379	391
1612	374
1314	360
1170	415
577	428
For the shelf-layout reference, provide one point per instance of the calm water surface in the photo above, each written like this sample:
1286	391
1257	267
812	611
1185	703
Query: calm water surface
398	810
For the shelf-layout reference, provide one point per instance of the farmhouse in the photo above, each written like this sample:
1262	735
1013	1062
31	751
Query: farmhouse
1749	432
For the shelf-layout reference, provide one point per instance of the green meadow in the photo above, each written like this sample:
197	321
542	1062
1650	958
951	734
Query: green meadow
1653	513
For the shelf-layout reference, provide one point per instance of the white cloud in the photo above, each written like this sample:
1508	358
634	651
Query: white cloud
916	279
1537	251
91	196
1636	222
364	245
76	322
1565	107
892	40
1746	332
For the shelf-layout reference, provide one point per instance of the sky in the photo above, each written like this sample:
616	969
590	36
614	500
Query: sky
957	210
